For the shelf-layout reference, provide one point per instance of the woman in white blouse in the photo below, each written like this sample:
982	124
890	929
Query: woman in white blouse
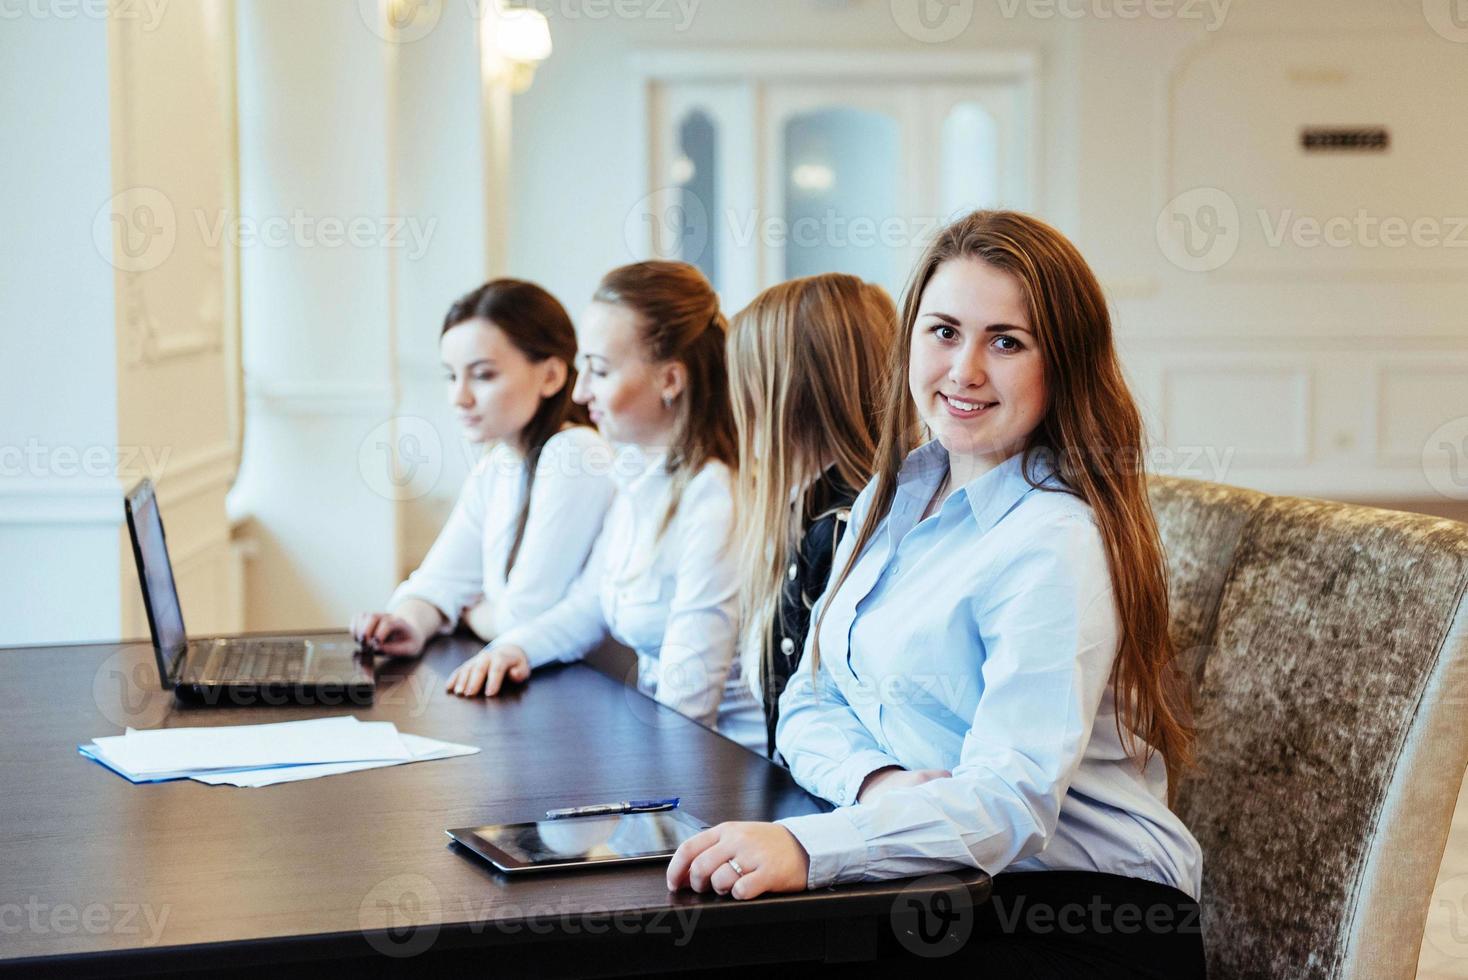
989	680
531	509
662	578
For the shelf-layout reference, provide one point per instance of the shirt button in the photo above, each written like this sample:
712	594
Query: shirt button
793	572
787	646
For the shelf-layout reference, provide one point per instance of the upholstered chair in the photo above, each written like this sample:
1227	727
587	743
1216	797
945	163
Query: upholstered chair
1328	649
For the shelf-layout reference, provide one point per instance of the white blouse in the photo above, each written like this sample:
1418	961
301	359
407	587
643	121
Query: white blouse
568	502
671	599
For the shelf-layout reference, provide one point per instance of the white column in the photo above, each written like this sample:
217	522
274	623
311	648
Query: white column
444	176
315	90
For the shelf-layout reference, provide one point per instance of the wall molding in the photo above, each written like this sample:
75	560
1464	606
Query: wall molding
832	64
1434	265
1382	373
82	502
1301	379
1162	339
213	467
97	500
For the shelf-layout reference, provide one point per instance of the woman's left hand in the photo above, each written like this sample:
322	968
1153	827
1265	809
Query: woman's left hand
772	860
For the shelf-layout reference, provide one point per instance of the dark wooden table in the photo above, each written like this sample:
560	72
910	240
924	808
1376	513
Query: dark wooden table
352	873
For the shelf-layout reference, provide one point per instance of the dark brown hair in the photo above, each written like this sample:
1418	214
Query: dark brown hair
1092	426
679	320
539	327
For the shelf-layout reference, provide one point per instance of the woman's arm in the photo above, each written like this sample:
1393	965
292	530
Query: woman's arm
452	573
573	626
698	645
568	503
565	632
1048	641
829	750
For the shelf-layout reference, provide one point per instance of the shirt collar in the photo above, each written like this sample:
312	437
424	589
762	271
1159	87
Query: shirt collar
989	496
635	467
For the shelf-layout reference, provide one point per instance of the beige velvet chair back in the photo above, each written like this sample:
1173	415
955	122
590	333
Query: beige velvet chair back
1328	648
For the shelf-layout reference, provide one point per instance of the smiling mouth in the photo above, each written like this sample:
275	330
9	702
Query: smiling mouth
965	409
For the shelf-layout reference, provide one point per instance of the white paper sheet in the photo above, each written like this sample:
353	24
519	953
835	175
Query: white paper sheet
423	749
156	752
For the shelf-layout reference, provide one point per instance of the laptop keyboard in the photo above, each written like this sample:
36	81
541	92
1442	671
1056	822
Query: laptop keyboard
261	660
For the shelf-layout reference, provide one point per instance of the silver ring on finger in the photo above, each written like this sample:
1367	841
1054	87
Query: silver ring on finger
737	869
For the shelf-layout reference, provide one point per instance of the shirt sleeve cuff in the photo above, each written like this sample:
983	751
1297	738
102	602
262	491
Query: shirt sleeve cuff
538	653
860	766
451	618
836	848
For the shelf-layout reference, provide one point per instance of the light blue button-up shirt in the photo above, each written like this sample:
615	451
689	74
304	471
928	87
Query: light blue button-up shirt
979	641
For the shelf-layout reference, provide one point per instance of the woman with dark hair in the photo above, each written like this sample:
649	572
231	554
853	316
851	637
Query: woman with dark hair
663	577
989	680
531	509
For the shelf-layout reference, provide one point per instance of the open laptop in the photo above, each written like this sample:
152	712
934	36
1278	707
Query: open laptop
254	670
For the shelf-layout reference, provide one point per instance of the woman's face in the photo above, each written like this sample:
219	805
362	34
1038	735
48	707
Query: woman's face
975	373
623	390
494	387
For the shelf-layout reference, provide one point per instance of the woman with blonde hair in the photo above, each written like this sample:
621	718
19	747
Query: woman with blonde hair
660	579
989	679
806	361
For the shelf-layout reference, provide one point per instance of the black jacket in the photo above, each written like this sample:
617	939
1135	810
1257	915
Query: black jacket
826	513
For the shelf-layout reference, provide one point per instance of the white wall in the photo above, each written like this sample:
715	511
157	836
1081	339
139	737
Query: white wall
1303	370
116	314
58	531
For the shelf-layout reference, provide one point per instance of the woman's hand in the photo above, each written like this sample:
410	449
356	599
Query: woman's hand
488	670
772	860
884	781
389	633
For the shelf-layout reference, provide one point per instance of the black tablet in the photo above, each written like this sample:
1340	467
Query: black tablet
579	842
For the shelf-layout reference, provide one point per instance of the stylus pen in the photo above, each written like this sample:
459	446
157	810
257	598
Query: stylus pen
626	806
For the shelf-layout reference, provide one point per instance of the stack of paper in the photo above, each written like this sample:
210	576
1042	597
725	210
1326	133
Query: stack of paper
259	755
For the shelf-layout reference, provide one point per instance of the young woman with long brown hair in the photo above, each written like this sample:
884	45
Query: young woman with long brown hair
989	679
661	578
531	509
806	361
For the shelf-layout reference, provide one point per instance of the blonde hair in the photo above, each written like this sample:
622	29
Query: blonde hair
806	365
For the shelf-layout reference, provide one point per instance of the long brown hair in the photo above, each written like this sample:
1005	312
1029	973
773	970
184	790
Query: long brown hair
678	319
806	363
539	327
1094	431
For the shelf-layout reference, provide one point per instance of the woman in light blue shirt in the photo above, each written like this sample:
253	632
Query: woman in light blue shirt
988	681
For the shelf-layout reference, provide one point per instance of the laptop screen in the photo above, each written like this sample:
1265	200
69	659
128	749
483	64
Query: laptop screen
155	573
